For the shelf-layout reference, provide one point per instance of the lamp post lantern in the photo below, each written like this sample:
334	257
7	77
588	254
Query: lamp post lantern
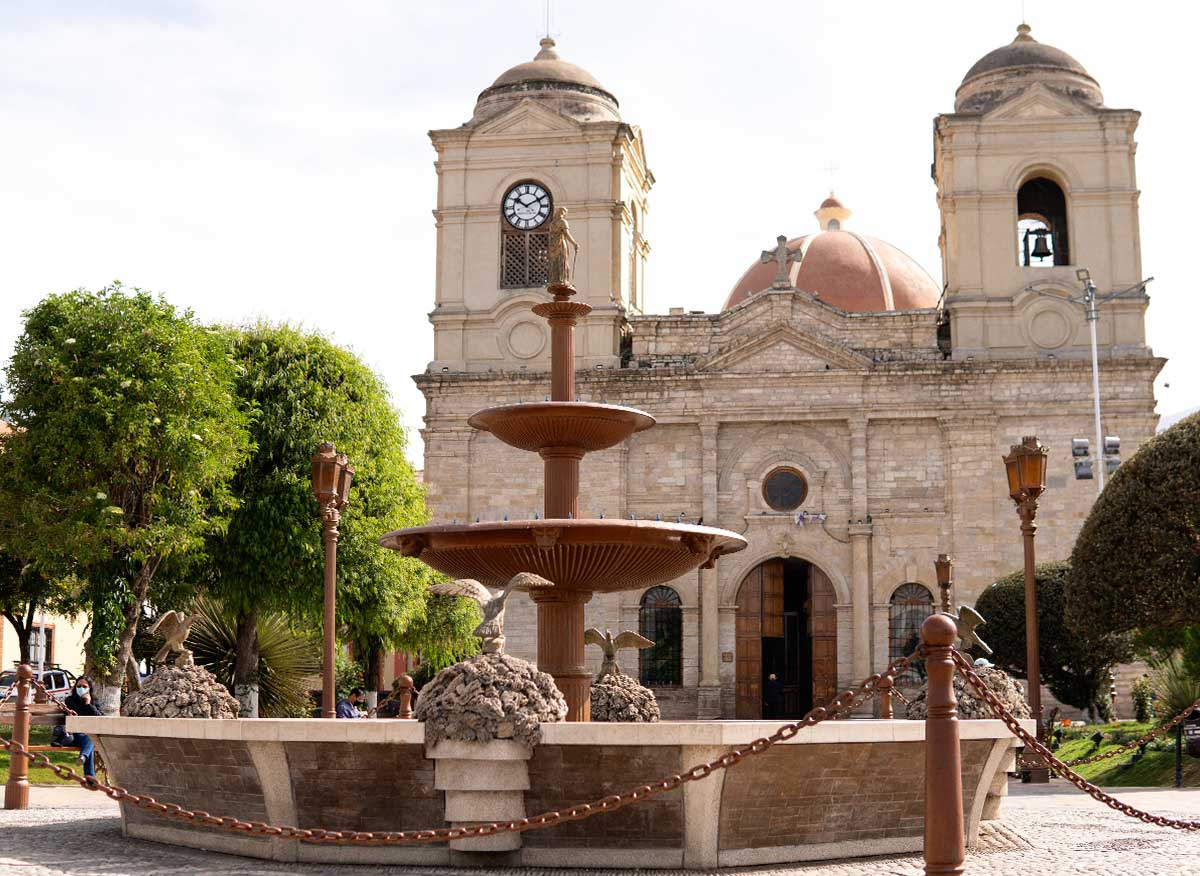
945	578
1026	469
331	479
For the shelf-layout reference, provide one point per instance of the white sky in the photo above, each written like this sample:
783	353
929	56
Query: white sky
271	159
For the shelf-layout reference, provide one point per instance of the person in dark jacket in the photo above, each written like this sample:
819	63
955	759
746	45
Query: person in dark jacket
80	702
772	697
348	708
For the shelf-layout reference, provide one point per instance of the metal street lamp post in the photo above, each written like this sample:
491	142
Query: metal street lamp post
945	578
331	478
1026	469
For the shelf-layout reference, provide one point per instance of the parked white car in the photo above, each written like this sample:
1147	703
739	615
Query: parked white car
57	681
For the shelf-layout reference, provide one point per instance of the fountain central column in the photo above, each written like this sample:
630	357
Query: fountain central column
560	648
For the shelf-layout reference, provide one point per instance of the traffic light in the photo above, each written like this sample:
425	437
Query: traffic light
1082	459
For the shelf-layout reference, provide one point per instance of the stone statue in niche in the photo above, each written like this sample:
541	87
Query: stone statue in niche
562	262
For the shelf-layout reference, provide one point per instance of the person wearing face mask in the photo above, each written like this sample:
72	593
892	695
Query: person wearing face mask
80	702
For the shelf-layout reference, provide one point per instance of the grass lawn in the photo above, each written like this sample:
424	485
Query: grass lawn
1156	769
41	775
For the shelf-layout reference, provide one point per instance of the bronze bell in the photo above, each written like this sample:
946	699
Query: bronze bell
1041	249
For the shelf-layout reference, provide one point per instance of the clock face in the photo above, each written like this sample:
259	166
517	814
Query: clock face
526	206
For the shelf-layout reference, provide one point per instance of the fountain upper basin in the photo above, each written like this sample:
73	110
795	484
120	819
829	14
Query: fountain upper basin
586	426
601	556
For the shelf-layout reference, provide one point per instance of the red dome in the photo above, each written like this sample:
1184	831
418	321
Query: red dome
850	271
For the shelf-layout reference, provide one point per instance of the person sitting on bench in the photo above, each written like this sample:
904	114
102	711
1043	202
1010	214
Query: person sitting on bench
80	702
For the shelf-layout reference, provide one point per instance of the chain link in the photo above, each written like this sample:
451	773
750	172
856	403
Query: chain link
1040	750
1138	743
840	705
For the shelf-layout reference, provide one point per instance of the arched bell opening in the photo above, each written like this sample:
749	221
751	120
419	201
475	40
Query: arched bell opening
1042	235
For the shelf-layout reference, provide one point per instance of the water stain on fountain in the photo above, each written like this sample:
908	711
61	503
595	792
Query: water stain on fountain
581	557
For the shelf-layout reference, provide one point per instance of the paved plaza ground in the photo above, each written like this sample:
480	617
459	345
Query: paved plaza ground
1050	829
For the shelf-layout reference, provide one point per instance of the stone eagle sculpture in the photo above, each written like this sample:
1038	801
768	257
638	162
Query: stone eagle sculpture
173	626
492	603
610	645
966	621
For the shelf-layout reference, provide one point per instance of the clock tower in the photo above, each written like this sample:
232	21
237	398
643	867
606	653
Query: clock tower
545	134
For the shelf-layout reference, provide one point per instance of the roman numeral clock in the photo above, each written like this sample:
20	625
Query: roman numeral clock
526	206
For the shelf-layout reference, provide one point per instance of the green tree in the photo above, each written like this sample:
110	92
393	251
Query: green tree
126	433
23	591
305	390
1073	665
1136	563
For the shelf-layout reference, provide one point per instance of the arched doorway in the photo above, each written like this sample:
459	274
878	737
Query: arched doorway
786	625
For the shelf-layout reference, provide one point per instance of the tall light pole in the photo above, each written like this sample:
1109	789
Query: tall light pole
1025	466
331	478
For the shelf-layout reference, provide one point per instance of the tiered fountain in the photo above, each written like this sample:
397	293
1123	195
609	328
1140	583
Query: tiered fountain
581	557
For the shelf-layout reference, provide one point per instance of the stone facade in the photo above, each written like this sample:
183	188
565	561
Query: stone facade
897	420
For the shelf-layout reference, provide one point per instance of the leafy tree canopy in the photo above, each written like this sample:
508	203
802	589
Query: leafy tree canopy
1136	563
304	390
1073	665
126	432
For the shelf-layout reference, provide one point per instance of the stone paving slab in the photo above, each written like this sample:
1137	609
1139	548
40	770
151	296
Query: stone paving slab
1046	829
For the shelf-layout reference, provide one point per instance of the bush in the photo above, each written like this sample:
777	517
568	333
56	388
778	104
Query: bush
1142	694
1074	666
1136	563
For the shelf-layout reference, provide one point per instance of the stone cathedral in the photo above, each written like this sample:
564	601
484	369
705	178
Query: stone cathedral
845	411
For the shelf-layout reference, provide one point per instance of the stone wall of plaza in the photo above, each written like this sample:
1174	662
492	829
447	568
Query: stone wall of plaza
904	457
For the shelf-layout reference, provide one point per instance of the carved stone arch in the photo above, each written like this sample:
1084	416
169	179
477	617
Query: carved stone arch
898	571
827	443
750	558
1023	170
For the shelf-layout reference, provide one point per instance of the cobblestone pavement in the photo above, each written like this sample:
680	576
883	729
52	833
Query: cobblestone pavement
1048	829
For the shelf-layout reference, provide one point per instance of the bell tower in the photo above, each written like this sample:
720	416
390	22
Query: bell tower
1035	180
545	134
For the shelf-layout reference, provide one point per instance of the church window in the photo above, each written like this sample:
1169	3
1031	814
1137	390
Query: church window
910	605
1042	237
833	225
660	619
524	240
785	489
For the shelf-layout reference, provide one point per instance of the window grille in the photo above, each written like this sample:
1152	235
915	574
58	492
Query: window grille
661	621
910	605
525	259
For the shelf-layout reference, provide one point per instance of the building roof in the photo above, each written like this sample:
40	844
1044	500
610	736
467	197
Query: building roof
567	87
847	270
1003	72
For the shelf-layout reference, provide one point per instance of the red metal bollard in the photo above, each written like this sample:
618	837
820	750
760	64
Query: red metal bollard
885	698
945	845
16	791
406	692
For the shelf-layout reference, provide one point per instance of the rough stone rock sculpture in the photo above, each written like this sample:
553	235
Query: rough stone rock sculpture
181	692
491	630
610	645
970	705
621	698
489	696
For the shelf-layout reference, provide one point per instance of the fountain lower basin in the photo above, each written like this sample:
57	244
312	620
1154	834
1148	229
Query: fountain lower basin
842	789
600	556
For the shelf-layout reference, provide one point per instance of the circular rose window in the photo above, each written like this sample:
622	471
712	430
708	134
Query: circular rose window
785	489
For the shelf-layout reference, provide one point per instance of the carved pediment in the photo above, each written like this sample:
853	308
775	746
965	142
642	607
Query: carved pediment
783	348
527	117
1038	102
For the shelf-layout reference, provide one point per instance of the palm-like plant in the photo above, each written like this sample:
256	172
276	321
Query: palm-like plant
1176	687
287	658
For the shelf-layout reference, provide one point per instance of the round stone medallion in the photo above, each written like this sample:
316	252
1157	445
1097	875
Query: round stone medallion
526	339
1049	328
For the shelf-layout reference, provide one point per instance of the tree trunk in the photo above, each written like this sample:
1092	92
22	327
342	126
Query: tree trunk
1179	755
245	668
371	680
24	630
111	704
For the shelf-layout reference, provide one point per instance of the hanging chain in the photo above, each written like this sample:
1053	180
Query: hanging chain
1138	743
1032	744
840	705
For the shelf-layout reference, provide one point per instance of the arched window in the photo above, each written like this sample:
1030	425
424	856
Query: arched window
1042	224
833	225
910	605
661	621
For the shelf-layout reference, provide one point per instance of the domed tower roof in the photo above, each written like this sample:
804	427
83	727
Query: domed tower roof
848	270
562	86
1011	69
